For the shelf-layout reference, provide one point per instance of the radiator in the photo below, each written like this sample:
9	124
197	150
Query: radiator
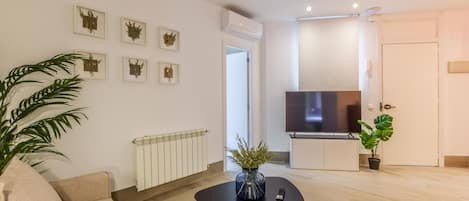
167	157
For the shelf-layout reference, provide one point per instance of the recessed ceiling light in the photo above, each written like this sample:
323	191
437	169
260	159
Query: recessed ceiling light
355	5
309	8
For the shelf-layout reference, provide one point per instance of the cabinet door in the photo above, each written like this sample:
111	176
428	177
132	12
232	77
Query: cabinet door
341	155
307	154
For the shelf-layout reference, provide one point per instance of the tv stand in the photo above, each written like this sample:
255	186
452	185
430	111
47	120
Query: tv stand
324	152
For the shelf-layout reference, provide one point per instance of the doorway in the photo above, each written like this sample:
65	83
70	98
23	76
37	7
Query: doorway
410	94
237	93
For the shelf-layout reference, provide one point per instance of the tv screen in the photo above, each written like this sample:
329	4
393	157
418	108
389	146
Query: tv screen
328	112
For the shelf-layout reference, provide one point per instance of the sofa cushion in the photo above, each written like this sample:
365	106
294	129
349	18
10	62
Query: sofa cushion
23	183
2	196
91	187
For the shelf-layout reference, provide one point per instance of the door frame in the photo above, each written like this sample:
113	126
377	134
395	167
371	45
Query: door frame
226	43
440	158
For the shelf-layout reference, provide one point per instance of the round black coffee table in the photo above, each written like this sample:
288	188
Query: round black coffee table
226	191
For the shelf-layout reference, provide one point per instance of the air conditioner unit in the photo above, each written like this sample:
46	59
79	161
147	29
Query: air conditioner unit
240	25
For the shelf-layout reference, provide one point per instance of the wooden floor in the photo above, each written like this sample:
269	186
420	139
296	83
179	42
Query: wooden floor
390	184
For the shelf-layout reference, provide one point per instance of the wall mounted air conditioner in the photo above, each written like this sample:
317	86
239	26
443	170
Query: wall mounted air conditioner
240	25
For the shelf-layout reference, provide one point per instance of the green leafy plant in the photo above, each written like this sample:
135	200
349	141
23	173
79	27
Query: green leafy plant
250	157
22	133
371	137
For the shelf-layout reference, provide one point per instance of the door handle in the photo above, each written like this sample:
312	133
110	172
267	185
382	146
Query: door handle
388	107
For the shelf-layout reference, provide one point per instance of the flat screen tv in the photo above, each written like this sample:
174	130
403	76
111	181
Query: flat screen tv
323	112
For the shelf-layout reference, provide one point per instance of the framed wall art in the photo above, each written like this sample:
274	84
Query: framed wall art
135	69
89	22
169	73
93	66
169	39
133	31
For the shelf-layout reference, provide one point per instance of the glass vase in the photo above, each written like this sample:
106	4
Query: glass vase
250	185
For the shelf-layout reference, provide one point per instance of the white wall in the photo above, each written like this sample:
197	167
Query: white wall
453	39
119	111
369	68
236	98
454	46
279	74
328	54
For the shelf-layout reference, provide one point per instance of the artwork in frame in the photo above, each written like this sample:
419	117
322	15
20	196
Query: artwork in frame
135	69
89	22
169	39
169	73
92	66
133	31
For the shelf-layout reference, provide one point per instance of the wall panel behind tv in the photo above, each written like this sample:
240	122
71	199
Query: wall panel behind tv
328	54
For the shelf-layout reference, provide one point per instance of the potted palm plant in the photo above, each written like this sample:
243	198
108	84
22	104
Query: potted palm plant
371	137
22	134
250	183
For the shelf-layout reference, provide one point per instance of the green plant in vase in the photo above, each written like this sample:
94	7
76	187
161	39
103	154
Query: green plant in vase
371	137
250	183
22	133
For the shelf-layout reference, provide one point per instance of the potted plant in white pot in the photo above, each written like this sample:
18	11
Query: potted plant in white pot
250	183
371	137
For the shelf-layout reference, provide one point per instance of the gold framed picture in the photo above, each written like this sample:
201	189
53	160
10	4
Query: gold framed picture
93	66
133	31
169	73
89	22
169	39
134	69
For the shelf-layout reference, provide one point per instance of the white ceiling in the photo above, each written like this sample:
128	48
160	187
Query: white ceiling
291	9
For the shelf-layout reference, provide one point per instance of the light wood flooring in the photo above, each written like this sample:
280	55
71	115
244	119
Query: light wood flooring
392	183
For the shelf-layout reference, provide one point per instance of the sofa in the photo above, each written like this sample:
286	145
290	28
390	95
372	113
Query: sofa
21	182
91	187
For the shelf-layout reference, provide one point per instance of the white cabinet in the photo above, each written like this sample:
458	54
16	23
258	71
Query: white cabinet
341	154
307	154
324	154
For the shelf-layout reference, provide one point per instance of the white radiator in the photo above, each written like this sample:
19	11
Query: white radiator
171	156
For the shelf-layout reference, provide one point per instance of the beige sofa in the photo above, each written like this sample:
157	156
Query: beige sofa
91	187
20	182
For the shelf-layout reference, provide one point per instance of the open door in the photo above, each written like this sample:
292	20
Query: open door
237	97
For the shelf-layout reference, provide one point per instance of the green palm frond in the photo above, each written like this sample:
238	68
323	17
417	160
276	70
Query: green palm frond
58	93
57	124
50	67
4	122
21	137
